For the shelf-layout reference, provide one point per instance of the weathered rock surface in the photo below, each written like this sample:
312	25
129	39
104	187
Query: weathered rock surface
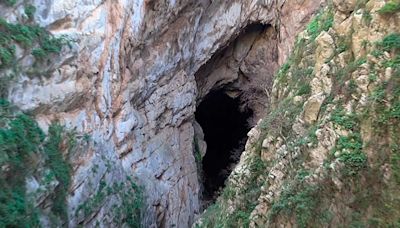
319	158
128	80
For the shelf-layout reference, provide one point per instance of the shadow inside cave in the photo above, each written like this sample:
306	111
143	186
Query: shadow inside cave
225	126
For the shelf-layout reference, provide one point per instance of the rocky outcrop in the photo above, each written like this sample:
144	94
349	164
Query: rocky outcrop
127	79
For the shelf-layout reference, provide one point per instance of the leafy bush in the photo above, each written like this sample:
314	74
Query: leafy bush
60	168
30	10
391	42
351	154
348	121
6	55
390	7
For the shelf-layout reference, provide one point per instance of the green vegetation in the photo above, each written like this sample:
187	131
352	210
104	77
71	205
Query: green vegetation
359	174
344	74
367	17
22	143
30	11
31	37
391	42
301	203
349	147
8	2
215	217
197	153
280	120
390	7
347	121
351	154
364	161
20	139
61	169
301	200
322	22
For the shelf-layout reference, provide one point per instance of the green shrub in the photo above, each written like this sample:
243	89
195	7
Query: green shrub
283	70
305	89
6	55
390	8
391	42
30	10
340	117
351	153
60	168
39	53
132	205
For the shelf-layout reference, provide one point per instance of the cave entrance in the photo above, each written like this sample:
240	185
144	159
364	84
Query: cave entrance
225	125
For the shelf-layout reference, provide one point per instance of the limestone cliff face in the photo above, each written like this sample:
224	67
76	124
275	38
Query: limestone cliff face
327	153
127	80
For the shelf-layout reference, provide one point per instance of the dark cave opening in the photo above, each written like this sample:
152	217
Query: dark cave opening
225	126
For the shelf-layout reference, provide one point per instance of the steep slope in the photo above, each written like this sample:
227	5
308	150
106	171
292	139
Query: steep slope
328	152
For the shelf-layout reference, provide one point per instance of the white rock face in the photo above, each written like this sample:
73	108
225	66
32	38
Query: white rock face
128	81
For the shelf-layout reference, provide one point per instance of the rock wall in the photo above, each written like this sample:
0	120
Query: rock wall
127	80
